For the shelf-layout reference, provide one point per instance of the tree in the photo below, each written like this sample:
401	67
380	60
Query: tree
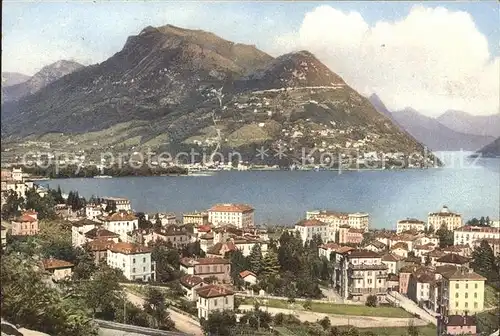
156	306
219	323
371	301
12	206
84	264
167	262
239	263
157	224
445	236
255	259
270	264
412	330
483	262
325	323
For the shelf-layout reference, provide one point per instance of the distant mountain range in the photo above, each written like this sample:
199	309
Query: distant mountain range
13	90
159	92
471	124
491	150
436	135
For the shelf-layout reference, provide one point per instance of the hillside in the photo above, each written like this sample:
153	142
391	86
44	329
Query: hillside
471	124
156	93
437	136
491	150
41	79
13	78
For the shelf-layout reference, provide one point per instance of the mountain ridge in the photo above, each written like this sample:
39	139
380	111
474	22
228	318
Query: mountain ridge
464	122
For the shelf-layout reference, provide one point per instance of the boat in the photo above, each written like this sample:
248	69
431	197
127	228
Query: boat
103	176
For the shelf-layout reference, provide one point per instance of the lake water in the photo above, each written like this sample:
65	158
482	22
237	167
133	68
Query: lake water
283	197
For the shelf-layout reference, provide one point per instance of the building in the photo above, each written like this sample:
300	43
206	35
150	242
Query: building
4	237
400	249
59	269
195	218
463	325
307	228
117	204
393	262
375	246
178	236
99	249
334	220
469	234
26	224
453	259
167	219
493	242
78	230
133	260
121	223
450	220
326	250
212	298
419	287
427	239
462	291
248	277
359	220
410	224
207	267
360	273
190	283
93	212
348	235
239	215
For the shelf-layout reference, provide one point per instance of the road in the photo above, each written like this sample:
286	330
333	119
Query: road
413	308
341	320
182	322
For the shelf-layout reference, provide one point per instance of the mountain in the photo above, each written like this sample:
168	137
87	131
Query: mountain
466	123
42	78
435	135
491	150
380	107
13	78
158	92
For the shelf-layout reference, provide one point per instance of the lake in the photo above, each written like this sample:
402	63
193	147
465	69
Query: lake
282	197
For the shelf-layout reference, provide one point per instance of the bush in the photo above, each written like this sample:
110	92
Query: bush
371	301
307	304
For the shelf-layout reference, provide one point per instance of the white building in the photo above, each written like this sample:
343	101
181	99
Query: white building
239	215
419	287
190	283
120	222
133	260
248	277
92	211
468	234
118	203
334	220
59	269
410	224
450	220
310	227
212	298
78	230
359	221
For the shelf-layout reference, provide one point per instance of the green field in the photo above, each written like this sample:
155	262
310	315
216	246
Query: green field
428	330
336	309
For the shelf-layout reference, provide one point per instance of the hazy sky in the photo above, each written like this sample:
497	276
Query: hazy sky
432	56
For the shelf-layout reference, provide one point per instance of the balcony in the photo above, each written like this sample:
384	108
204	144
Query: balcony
367	291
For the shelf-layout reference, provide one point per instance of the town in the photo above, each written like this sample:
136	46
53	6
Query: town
218	272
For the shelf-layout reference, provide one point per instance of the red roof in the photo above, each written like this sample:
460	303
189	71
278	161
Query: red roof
25	218
190	280
244	274
100	244
52	263
230	207
129	248
204	228
212	291
120	216
311	222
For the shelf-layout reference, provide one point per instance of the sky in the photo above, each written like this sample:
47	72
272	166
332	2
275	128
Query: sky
431	56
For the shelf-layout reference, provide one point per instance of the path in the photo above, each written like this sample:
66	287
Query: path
183	323
413	308
341	320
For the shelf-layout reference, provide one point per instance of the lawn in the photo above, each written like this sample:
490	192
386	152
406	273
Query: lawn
428	330
336	309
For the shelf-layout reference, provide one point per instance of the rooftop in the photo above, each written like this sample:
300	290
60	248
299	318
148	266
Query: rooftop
99	244
230	207
485	229
411	221
52	263
100	232
190	280
310	223
190	262
460	321
452	258
129	248
463	274
120	216
213	291
363	254
84	222
25	218
246	273
445	212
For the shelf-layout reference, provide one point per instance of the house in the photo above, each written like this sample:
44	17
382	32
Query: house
393	282
212	298
240	215
375	246
99	249
25	225
177	235
195	218
463	250
207	267
167	219
117	204
219	250
461	291
325	250
332	218
393	262
407	238
469	234
452	259
427	239
360	273
190	283
348	235
79	228
446	218
310	227
59	269
92	211
206	241
248	277
120	222
133	260
464	325
383	236
422	250
400	249
100	233
419	287
410	224
359	221
433	256
4	237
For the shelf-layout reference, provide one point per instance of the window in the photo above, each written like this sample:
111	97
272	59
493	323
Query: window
133	270
466	304
466	295
227	301
466	286
475	286
143	260
456	285
456	295
475	295
133	261
215	303
144	269
475	304
456	304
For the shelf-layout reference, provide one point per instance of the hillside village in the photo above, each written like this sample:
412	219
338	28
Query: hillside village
224	261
